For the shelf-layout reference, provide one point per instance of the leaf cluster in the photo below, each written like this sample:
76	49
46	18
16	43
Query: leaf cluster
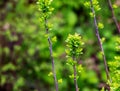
45	7
115	71
74	45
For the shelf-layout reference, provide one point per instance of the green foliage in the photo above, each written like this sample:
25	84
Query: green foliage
118	44
103	89
45	7
95	5
19	83
24	51
115	70
8	66
74	45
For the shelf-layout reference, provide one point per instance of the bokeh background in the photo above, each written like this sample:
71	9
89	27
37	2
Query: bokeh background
24	54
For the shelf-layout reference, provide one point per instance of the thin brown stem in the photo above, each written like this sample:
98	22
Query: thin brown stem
75	75
51	55
113	15
99	41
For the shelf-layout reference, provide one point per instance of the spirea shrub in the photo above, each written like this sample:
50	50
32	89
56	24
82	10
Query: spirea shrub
74	44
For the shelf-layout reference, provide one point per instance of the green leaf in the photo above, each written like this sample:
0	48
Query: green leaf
8	66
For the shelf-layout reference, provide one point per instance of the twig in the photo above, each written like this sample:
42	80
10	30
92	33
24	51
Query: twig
113	15
99	41
75	75
52	58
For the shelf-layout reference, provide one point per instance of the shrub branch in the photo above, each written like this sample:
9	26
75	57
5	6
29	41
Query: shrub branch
75	75
51	55
99	40
74	50
113	15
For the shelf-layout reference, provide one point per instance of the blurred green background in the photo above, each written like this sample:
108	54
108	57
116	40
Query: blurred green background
24	54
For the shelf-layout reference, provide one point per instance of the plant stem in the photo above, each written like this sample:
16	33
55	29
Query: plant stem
75	75
51	55
99	41
113	15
